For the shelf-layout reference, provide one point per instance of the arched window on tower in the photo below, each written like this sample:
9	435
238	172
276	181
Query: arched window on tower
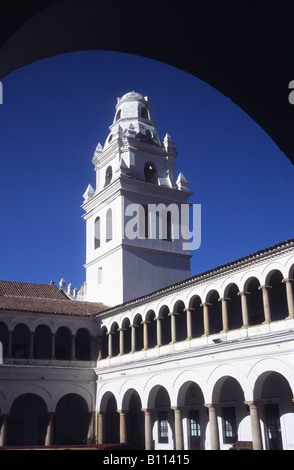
118	115
108	175
109	225
144	113
150	172
97	230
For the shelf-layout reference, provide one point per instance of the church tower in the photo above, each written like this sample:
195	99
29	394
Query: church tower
128	254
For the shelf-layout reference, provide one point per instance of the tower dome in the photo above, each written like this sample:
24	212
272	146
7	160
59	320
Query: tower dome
133	111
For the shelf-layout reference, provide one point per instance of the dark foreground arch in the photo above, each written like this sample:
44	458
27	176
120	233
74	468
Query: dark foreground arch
243	49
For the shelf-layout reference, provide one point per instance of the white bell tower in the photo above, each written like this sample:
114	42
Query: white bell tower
134	173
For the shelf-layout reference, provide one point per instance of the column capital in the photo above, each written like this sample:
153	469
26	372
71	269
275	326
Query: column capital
158	318
209	405
188	309
177	408
287	279
251	403
170	314
205	304
264	287
145	322
243	292
225	299
121	329
146	410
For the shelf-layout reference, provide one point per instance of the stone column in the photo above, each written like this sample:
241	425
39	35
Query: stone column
31	345
290	297
122	427
173	327
100	427
255	425
189	322
158	331
244	308
92	430
53	335
148	430
266	303
225	320
145	334
3	429
121	340
133	337
73	347
206	306
49	431
214	434
178	429
9	348
109	334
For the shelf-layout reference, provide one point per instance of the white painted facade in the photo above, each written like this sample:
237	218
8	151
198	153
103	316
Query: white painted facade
133	167
186	363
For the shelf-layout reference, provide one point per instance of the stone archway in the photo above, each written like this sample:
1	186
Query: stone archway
71	421
274	395
27	421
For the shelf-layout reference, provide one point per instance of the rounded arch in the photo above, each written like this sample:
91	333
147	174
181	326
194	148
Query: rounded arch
254	301
126	327
42	342
103	343
108	406
190	394
150	172
114	338
181	320
151	328
291	271
71	420
227	389
196	316
20	341
165	320
272	384
4	338
63	343
217	378
83	345
138	333
109	225
27	423
273	392
215	311
277	295
108	175
234	306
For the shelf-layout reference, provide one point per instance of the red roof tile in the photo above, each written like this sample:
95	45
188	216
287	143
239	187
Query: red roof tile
57	306
43	298
27	289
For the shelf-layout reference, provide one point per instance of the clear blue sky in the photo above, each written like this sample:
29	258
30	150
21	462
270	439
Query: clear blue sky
55	111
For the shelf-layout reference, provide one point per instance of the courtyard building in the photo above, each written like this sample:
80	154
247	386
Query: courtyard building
143	353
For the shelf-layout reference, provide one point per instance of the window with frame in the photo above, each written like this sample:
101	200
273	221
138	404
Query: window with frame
194	423
229	425
97	233
162	427
108	225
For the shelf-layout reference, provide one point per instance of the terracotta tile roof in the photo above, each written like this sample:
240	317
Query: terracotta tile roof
43	298
27	289
57	306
